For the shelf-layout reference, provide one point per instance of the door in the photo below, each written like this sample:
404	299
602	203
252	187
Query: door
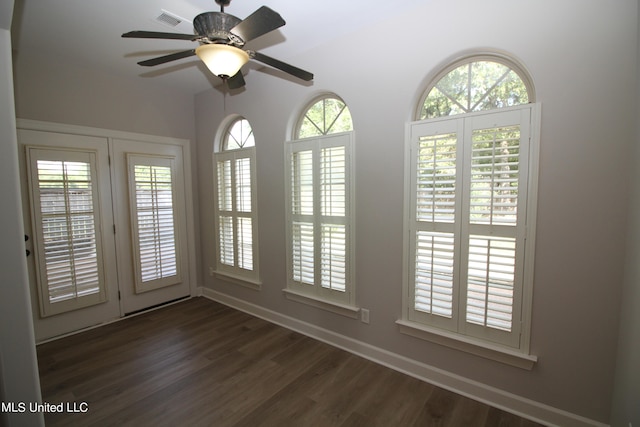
151	232
108	224
68	227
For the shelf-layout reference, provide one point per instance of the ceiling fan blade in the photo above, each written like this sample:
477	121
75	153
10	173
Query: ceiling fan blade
157	35
262	21
236	82
167	58
290	69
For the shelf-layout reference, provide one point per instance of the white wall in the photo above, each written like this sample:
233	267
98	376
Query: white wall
19	380
626	397
582	57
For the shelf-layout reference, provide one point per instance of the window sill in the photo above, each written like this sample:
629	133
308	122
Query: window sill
468	345
256	285
334	307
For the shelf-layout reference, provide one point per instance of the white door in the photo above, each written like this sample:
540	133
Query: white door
151	217
108	224
69	227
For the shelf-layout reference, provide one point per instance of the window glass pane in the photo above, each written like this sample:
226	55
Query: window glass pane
475	86
328	115
239	135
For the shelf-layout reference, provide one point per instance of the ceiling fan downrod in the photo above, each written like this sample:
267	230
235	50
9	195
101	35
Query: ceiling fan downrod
222	4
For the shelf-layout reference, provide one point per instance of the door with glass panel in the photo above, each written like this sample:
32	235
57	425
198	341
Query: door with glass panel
69	231
151	232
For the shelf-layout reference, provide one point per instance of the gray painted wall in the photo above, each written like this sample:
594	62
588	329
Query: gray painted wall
626	397
582	56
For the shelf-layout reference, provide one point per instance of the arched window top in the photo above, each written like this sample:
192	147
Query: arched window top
324	116
237	135
476	84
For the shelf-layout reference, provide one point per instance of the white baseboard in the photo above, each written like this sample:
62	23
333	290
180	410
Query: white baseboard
523	407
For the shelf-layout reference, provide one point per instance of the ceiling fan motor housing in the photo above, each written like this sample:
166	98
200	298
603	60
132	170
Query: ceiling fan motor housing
216	27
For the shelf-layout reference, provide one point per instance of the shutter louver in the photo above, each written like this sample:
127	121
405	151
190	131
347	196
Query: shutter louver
490	278
434	273
65	190
494	176
303	253
332	181
154	220
243	184
333	255
226	240
436	178
224	186
302	183
245	243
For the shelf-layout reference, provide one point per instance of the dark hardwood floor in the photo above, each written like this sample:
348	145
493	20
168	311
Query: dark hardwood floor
200	363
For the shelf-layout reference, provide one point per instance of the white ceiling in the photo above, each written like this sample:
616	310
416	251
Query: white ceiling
88	32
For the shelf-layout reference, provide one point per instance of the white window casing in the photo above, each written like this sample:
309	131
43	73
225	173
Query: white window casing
320	218
470	220
236	218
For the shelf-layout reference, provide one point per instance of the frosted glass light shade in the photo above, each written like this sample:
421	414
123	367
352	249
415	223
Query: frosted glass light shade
221	59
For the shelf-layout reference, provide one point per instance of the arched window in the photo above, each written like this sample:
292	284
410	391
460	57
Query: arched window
324	116
475	85
319	207
235	203
471	192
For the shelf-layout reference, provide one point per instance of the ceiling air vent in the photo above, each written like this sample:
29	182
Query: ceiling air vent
169	19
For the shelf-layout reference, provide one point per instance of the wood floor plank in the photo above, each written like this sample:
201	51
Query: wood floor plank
199	363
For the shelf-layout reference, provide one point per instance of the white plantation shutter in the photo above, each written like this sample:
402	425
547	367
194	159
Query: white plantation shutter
319	215
152	201
235	212
64	192
467	235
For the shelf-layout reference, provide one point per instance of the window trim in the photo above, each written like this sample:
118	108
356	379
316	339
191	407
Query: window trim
521	356
234	274
347	305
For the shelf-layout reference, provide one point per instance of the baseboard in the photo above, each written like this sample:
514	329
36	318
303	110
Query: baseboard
525	408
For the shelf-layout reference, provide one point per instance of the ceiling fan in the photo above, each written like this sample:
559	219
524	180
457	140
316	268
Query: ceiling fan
222	37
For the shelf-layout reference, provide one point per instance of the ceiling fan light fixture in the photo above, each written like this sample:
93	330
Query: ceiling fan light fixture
223	60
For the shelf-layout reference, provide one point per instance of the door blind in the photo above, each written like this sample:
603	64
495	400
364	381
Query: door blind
153	215
67	212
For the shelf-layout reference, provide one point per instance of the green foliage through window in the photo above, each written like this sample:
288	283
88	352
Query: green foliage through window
475	86
326	116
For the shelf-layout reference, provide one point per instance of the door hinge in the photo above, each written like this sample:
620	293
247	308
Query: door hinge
114	229
119	297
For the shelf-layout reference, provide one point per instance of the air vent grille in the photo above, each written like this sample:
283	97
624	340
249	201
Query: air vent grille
169	19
